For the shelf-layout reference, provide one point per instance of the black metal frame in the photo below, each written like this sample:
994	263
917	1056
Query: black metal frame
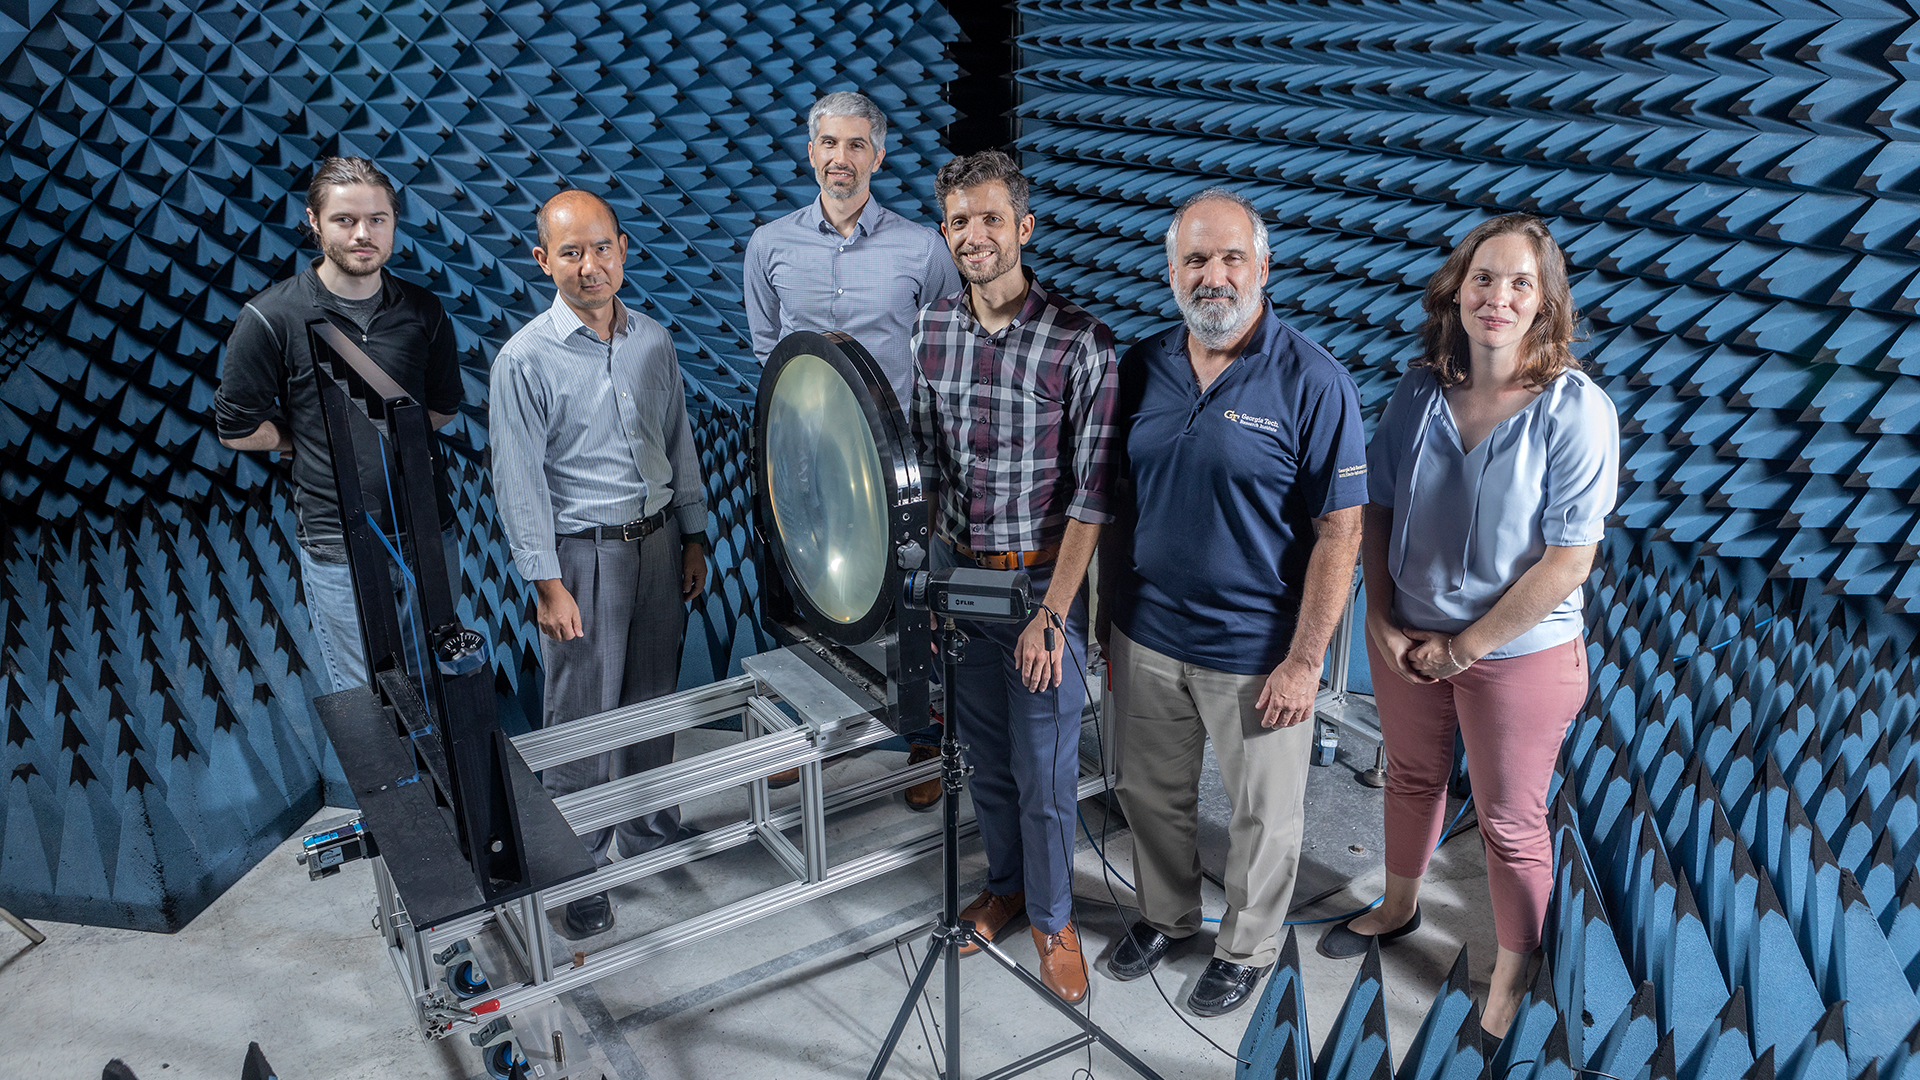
786	611
467	790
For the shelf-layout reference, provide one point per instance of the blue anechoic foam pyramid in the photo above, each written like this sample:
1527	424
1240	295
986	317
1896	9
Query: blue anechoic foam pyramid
1734	184
1737	186
1736	830
152	166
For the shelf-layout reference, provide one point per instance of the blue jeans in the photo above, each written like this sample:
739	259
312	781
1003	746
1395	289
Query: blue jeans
1025	752
336	617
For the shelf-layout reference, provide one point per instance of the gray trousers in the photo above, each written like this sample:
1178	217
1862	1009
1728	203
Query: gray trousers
634	623
1164	712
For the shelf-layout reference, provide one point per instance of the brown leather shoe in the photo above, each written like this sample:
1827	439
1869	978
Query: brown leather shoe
924	795
990	913
1061	966
784	778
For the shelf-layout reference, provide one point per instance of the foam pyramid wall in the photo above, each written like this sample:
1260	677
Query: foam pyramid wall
1734	183
1736	832
152	159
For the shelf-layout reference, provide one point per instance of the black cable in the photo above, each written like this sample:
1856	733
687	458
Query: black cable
1575	1068
1066	841
1106	872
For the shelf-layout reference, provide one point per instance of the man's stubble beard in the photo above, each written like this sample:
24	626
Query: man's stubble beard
1002	265
342	258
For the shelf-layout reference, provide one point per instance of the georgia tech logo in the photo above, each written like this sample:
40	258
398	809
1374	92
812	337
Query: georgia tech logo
1257	423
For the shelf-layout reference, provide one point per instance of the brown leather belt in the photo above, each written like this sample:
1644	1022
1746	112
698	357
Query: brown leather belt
1006	560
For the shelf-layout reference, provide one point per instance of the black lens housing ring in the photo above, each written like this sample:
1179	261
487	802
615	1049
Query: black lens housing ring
906	514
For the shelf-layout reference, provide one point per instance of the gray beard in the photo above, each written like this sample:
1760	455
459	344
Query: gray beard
1214	327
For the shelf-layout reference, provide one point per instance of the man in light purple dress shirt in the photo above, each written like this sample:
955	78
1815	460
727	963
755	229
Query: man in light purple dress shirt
844	262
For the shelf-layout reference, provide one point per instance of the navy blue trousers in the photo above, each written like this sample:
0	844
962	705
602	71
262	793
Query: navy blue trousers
1025	752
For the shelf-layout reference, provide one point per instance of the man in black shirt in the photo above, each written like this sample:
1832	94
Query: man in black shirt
269	400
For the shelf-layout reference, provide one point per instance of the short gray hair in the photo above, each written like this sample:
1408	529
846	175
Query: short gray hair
848	103
1222	194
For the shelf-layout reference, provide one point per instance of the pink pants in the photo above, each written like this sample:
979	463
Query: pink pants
1512	715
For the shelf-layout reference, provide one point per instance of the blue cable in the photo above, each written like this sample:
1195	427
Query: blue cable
406	579
406	572
1722	645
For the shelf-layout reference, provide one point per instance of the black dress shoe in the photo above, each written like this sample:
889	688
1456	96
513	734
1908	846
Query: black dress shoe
1223	987
1342	941
1138	952
588	916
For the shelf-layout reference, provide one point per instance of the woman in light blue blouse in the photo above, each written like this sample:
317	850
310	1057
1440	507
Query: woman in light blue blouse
1489	482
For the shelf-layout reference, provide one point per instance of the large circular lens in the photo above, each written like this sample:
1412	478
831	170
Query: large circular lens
828	494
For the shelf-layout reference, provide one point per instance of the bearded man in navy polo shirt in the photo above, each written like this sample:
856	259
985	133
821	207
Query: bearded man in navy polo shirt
1227	569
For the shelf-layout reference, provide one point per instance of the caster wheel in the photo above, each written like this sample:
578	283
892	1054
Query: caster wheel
466	980
501	1058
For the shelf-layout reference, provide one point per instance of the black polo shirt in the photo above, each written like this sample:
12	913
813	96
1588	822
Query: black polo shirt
1226	483
268	375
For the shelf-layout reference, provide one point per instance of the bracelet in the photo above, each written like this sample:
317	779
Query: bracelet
1450	656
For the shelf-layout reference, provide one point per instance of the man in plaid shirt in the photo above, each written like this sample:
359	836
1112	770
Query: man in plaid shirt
1013	409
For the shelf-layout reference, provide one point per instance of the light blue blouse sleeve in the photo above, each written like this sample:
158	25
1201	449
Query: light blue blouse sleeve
1583	464
1390	439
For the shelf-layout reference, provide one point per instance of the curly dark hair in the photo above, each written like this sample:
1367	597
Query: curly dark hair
1548	349
981	168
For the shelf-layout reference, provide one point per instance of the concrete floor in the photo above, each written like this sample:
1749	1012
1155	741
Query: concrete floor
297	967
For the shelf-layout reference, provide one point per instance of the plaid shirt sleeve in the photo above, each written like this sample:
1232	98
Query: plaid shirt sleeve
1092	398
920	417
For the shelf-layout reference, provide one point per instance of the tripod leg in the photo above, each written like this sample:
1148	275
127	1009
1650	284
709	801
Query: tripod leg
906	1009
1071	1013
950	755
33	936
952	952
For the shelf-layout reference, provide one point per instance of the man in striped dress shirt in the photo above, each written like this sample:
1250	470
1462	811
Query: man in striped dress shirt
599	488
1013	412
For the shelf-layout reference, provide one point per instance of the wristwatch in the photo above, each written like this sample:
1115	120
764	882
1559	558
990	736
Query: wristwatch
696	538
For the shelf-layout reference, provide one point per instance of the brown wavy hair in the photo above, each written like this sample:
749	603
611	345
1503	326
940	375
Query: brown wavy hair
345	172
1548	347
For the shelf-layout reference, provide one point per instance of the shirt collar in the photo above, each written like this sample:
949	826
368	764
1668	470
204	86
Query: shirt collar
1258	346
566	322
869	218
1265	335
1036	302
319	292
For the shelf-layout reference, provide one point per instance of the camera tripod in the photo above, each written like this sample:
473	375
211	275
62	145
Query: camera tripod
951	934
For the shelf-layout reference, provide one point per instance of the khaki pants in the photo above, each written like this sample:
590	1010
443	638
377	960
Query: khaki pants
1164	711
